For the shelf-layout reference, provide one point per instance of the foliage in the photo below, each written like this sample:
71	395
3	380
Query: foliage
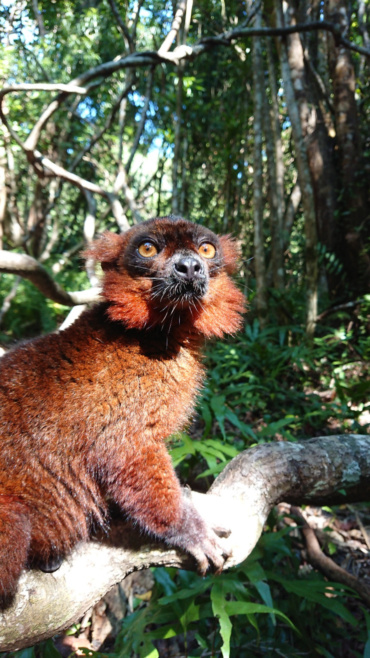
272	378
264	384
235	614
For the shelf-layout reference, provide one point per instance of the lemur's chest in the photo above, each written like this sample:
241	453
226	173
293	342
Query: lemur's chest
152	392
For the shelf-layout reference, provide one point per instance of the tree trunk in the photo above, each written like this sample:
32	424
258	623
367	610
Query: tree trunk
277	178
176	167
354	222
258	84
319	146
3	192
304	182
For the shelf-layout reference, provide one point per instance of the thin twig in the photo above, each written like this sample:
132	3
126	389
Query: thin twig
140	128
340	307
122	27
365	533
325	564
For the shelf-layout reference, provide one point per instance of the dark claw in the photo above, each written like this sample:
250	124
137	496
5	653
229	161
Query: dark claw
50	565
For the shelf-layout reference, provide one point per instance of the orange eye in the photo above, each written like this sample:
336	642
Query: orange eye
147	249
207	250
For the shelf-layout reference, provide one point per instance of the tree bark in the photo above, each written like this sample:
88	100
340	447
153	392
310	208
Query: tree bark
324	470
320	151
277	178
353	233
176	163
304	177
29	268
258	84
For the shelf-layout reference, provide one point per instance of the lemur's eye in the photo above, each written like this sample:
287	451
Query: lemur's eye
207	250
147	249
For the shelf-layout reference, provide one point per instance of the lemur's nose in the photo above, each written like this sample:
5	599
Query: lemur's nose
189	268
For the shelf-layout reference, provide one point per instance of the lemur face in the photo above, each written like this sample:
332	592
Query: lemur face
177	256
170	267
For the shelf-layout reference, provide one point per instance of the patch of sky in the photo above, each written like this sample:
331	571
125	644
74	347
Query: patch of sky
27	31
161	148
166	13
138	101
86	110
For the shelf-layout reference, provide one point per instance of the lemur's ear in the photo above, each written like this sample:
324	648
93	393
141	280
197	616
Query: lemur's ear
105	249
231	252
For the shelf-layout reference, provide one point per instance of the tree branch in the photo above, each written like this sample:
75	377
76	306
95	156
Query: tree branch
84	83
348	306
316	471
313	26
176	23
122	27
29	268
145	58
325	564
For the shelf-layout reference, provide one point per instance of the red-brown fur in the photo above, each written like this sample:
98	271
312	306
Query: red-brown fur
84	412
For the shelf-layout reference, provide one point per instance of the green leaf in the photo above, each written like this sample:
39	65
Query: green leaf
246	430
264	591
26	653
219	610
48	650
163	578
367	645
247	608
190	615
186	593
253	570
273	428
319	592
218	408
207	417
